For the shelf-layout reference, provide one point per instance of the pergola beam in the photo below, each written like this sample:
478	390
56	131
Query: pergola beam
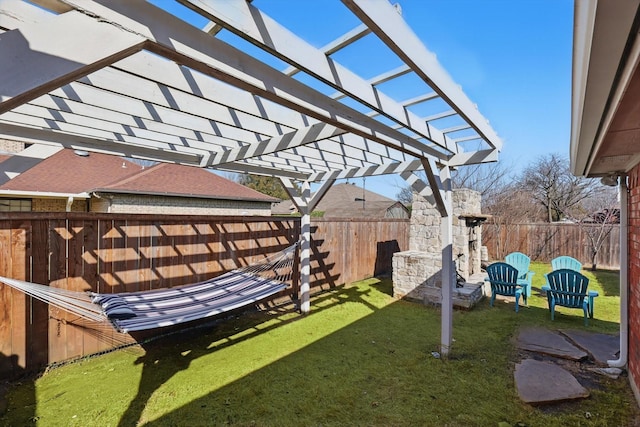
49	137
33	63
252	24
394	31
174	39
337	44
287	141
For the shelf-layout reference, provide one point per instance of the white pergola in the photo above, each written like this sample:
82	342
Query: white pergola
130	78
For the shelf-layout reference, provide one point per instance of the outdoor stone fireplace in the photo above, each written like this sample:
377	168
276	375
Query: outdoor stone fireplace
417	272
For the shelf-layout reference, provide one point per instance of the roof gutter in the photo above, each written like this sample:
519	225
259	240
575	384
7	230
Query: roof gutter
43	194
266	199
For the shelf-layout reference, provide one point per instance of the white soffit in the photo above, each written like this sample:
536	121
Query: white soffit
164	89
600	74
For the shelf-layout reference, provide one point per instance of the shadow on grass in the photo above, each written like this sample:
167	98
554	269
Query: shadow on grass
609	280
359	358
380	370
166	356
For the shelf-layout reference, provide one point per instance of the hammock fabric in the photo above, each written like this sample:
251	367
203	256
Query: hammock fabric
136	311
165	307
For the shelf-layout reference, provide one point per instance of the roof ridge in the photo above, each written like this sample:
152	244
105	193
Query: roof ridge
142	172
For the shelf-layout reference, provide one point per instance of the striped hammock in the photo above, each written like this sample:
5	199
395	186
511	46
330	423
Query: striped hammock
136	311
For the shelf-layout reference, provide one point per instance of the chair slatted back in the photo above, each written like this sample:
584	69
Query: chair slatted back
568	287
565	262
503	278
520	261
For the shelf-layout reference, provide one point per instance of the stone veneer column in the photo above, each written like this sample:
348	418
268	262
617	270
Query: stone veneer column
416	273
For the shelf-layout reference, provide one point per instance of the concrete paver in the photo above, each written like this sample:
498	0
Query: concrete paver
546	382
543	382
547	342
601	347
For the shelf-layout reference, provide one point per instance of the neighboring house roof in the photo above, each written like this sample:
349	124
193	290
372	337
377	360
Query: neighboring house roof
69	173
340	195
358	209
350	201
284	207
168	179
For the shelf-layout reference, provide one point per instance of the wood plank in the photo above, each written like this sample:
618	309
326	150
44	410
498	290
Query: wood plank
250	23
8	360
34	236
20	322
63	341
35	63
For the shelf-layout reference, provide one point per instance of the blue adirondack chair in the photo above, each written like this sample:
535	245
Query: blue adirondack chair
566	262
568	288
521	262
503	278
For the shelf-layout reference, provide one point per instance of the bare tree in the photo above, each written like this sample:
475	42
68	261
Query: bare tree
549	181
489	179
597	216
405	195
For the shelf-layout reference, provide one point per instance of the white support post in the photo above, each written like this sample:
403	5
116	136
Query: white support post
305	253
302	201
448	275
438	192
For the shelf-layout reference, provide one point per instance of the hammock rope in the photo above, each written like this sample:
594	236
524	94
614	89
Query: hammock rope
134	311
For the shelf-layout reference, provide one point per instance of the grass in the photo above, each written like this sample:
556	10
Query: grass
360	358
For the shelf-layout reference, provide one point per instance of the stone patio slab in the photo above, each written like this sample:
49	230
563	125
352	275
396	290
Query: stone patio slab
601	347
548	342
542	382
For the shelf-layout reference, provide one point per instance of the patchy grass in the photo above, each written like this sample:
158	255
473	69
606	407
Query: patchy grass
606	305
360	358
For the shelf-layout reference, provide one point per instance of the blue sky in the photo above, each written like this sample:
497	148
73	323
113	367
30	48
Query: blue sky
511	57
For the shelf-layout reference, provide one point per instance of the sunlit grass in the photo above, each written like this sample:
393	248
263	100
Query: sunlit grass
360	358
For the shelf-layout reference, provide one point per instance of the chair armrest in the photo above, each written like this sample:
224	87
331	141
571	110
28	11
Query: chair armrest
545	288
593	293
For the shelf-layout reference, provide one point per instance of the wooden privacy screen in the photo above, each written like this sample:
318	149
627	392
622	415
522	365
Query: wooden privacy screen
120	253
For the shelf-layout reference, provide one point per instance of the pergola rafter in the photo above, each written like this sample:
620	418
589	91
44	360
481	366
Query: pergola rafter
165	90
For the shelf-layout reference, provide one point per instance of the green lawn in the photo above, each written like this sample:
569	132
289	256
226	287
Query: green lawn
360	358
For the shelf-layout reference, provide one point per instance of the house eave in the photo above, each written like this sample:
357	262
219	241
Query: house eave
603	64
102	192
42	194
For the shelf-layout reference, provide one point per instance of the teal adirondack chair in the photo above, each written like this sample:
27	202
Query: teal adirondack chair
503	278
521	262
566	262
568	288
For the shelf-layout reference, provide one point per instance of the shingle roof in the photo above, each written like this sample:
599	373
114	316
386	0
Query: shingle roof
345	201
341	195
67	172
180	180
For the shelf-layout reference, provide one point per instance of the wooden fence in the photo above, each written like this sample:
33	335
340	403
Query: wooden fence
543	242
120	253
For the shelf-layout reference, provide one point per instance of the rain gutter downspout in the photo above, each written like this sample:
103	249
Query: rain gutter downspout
69	203
624	283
